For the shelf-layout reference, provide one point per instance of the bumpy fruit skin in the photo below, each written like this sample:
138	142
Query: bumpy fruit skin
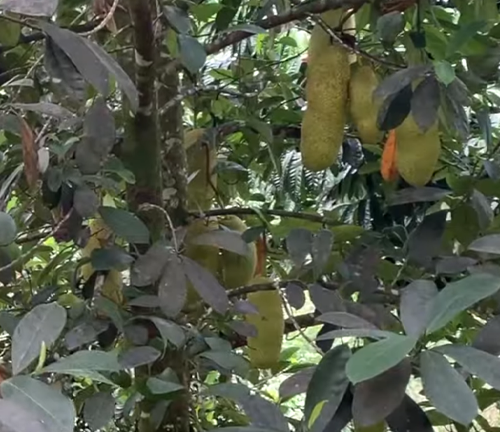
363	108
417	153
237	270
202	159
328	74
264	350
206	256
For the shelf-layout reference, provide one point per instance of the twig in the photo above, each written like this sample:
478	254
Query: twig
149	206
105	21
38	244
281	213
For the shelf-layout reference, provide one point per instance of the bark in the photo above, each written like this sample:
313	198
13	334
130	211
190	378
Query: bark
141	150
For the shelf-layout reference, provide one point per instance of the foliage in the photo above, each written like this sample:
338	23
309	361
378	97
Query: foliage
389	284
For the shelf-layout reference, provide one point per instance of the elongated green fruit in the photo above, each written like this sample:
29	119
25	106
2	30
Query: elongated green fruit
327	84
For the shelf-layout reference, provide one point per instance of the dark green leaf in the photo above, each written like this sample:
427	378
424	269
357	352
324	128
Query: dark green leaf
295	295
416	302
9	32
46	108
125	224
414	195
446	389
193	54
8	229
328	385
110	258
224	239
47	404
409	417
321	249
207	286
30	7
296	383
346	320
149	267
160	386
85	201
83	361
487	244
44	323
169	331
460	295
376	398
377	357
463	35
487	338
98	410
178	19
390	25
172	289
299	245
138	356
399	80
482	364
425	103
454	264
394	109
16	418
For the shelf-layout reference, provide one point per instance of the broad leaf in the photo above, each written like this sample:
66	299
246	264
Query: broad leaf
425	103
395	109
193	54
8	229
414	195
138	356
125	224
224	239
172	289
295	295
83	361
46	108
377	357
110	258
416	302
398	80
161	386
299	245
262	413
16	418
446	388
149	267
460	295
207	286
321	248
85	202
482	364
344	319
44	8
376	398
454	264
327	387
361	333
487	338
43	324
296	383
487	244
409	417
98	410
169	331
325	300
44	402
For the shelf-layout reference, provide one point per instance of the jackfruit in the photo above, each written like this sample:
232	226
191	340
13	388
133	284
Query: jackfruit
417	153
327	85
363	108
206	256
201	162
264	349
237	270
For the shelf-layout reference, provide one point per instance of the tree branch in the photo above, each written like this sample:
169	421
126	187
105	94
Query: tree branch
280	213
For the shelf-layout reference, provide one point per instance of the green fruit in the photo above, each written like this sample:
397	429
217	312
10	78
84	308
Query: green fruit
417	153
327	84
363	108
265	348
237	270
201	162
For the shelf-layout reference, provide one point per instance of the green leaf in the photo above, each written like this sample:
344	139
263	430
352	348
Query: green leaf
482	364
16	418
377	357
8	229
9	32
193	54
247	28
416	301
84	361
30	7
160	386
98	410
125	225
444	72
487	244
44	323
47	404
460	295
446	389
169	331
138	356
463	35
328	384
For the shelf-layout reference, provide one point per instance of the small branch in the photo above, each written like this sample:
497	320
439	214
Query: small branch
294	14
109	16
281	213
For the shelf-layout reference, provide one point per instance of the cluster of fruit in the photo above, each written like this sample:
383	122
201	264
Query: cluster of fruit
339	89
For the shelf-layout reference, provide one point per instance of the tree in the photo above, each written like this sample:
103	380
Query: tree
196	194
